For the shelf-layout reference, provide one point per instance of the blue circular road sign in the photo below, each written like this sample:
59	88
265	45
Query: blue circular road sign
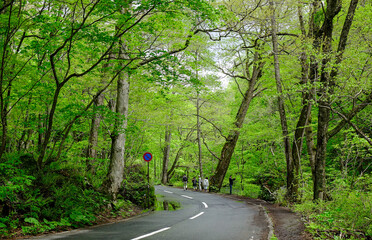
147	156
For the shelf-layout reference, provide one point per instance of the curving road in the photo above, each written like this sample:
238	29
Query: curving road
202	216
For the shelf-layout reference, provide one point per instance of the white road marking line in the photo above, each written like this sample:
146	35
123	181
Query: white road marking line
186	197
150	234
205	205
167	191
196	215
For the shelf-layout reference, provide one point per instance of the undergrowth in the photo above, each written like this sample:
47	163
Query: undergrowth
34	201
347	215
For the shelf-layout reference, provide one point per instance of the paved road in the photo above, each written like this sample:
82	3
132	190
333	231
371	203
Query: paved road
202	216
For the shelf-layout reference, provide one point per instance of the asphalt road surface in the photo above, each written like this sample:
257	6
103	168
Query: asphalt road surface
201	216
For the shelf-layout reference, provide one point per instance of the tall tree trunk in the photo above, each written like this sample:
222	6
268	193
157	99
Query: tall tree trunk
93	135
320	156
115	174
327	85
166	153
6	39
199	134
170	173
155	173
324	101
310	144
292	167
22	143
229	146
49	126
298	143
184	144
314	30
4	119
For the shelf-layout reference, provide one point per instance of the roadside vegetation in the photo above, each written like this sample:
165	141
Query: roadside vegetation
275	94
60	198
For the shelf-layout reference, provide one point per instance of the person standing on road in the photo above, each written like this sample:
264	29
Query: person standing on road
194	183
200	184
206	184
231	183
184	179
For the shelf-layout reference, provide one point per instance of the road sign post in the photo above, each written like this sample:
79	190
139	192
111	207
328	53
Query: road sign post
147	157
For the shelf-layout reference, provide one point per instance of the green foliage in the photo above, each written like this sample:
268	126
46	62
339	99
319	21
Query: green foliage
348	214
13	179
162	204
14	185
213	189
273	238
35	227
51	199
135	187
177	183
61	193
280	196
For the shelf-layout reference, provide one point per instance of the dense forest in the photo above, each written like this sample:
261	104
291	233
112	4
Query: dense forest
275	93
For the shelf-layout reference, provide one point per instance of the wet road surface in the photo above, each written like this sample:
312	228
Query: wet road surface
201	216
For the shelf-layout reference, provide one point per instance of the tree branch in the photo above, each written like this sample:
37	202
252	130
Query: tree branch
360	132
214	155
349	116
219	130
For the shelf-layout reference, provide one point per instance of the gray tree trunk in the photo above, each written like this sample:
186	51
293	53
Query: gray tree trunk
93	136
199	135
292	168
115	174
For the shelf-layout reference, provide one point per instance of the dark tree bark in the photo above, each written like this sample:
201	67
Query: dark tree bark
313	33
4	103
170	173
334	6
310	144
199	135
228	149
49	125
184	144
327	85
166	153
93	136
5	84
291	160
22	143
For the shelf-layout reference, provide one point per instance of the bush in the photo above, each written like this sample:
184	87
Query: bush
14	185
177	184
251	190
135	187
35	226
348	214
48	199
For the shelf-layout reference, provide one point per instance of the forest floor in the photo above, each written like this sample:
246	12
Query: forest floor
287	225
